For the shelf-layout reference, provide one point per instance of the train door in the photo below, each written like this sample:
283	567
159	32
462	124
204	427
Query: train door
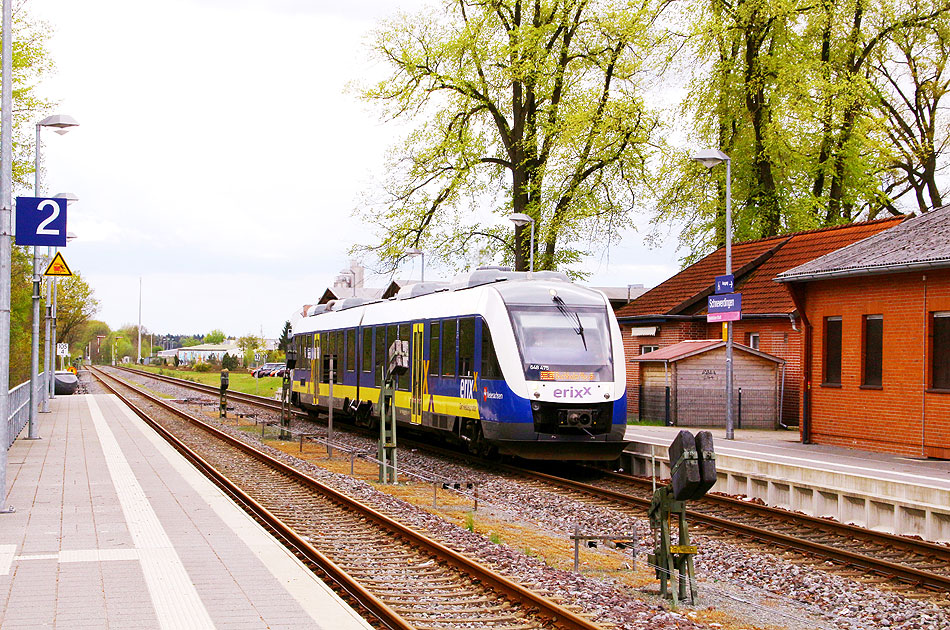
418	374
314	353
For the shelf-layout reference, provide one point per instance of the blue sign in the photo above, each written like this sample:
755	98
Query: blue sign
41	221
725	284
724	308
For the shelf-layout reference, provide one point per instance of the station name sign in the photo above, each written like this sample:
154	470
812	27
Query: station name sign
724	308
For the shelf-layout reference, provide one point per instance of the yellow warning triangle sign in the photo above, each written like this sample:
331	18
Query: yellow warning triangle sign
58	267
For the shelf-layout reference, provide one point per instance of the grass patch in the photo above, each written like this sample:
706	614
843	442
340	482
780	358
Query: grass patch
266	386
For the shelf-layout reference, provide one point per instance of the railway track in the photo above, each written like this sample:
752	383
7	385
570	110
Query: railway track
877	556
908	561
402	578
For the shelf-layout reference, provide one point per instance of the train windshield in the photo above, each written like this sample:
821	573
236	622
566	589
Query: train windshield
563	343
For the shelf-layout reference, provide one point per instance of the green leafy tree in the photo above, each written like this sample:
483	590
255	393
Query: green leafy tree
532	107
76	304
789	91
21	315
285	337
215	336
249	344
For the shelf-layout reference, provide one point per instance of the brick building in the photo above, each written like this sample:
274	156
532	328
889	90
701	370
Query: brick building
675	310
876	345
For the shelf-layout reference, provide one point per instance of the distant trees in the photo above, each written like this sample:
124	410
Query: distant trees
215	336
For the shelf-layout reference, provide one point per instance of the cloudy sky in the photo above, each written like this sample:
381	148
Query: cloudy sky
219	156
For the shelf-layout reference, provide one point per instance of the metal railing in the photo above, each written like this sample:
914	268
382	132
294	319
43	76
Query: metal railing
20	406
692	406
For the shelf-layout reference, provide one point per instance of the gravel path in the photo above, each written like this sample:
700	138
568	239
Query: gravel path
752	587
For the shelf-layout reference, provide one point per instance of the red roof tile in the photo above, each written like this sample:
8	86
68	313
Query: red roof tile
755	264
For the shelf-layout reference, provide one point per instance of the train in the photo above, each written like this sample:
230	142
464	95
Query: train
525	364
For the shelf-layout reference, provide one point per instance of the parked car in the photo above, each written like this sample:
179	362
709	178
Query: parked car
266	370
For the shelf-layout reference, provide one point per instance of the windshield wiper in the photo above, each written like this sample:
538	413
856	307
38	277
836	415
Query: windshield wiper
574	317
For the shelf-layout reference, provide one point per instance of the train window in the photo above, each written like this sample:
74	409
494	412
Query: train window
351	350
380	352
490	368
405	335
335	346
435	329
564	342
323	358
367	346
466	346
309	347
448	347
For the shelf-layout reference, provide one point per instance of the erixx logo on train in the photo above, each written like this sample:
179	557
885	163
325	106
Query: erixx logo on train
467	387
572	392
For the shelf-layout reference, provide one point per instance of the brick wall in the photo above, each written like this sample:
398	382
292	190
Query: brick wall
900	417
668	334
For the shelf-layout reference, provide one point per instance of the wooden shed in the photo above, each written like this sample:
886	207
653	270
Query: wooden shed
685	385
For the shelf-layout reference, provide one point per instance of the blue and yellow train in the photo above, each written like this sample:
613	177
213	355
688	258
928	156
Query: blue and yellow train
521	364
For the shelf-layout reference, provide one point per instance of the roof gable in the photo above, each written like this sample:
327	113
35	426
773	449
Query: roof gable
692	347
918	242
755	264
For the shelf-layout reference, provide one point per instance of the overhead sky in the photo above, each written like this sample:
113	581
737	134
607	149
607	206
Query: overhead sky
220	157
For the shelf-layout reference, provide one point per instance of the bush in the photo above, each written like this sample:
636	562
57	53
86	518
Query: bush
202	367
228	362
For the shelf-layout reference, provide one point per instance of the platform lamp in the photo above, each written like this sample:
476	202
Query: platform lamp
419	252
520	220
60	123
710	158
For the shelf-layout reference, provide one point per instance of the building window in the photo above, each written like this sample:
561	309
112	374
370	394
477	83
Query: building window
832	354
873	349
645	349
753	340
941	350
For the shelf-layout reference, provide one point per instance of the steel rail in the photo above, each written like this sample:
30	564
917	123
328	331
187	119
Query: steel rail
883	567
251	399
563	617
297	544
876	565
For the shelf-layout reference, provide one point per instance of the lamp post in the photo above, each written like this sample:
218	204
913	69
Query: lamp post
61	124
520	220
419	252
6	240
710	158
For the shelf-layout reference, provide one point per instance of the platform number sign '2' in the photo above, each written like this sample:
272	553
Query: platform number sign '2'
41	221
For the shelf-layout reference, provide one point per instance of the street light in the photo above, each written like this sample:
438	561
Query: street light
419	252
710	158
520	220
61	124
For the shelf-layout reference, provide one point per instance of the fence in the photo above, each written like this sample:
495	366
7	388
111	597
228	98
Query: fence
700	407
20	406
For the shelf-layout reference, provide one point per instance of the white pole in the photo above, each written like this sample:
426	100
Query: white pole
35	330
6	241
139	358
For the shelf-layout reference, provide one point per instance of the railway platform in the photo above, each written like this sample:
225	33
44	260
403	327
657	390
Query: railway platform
890	493
114	529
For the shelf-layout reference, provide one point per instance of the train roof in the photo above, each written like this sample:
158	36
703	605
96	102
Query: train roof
514	287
